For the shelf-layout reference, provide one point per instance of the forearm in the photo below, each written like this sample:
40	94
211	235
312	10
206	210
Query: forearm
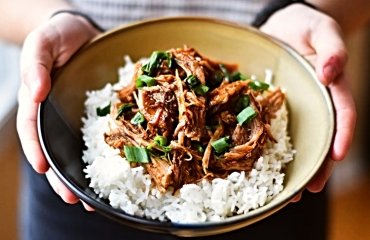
20	17
351	15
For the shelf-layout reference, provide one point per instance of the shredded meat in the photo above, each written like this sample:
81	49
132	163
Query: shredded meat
189	116
161	172
158	104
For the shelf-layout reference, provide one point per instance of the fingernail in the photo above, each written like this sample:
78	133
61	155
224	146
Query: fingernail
330	73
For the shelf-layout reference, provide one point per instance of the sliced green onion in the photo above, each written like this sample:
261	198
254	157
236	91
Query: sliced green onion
144	80
198	147
166	149
123	109
171	62
225	72
192	81
154	62
136	154
101	112
138	119
218	77
221	145
242	102
201	89
238	76
194	84
258	85
160	140
246	115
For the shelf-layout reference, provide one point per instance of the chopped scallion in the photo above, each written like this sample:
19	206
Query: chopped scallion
123	108
221	145
136	154
144	80
192	81
138	119
258	85
101	112
225	72
160	140
242	102
171	62
198	147
194	84
154	62
201	89
218	77
238	76
246	115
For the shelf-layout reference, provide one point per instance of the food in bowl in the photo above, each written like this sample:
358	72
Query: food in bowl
186	139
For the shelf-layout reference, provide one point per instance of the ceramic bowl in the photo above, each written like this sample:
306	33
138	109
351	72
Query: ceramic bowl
310	108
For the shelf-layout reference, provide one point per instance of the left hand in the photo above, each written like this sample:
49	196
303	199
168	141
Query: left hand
318	38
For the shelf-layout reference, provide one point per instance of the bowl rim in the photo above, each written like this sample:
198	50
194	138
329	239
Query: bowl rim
111	212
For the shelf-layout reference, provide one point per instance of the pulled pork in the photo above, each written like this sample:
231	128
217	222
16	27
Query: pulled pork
195	121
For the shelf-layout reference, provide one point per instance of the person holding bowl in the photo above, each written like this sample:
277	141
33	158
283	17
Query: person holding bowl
50	32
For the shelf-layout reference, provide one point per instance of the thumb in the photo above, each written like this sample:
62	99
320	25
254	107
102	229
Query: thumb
327	41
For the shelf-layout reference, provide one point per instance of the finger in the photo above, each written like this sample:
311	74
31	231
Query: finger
36	64
27	131
320	179
60	188
327	41
346	116
297	198
87	207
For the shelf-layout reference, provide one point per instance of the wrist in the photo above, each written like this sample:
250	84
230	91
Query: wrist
81	16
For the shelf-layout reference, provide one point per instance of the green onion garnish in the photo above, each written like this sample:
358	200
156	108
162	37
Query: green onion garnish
242	102
123	108
198	147
154	62
225	72
171	62
144	80
221	145
258	85
138	119
192	81
101	112
194	84
201	89
246	115
218	77
238	76
136	154
160	140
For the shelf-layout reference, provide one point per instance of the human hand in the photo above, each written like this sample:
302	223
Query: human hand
318	38
47	47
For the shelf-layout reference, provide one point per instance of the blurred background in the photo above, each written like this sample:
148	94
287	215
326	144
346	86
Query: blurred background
349	186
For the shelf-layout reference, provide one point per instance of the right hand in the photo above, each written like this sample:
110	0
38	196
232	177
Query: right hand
48	46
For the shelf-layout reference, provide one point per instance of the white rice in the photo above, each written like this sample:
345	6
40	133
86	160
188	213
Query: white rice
130	189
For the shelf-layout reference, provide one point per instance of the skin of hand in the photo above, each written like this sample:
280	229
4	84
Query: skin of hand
48	46
319	39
